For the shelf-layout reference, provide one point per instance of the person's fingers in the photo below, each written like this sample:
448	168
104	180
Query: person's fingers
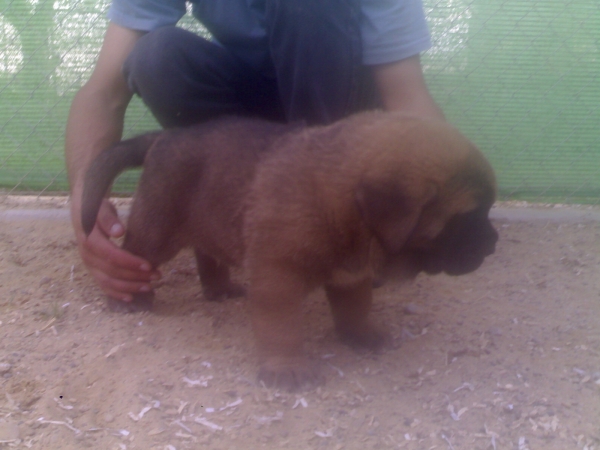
104	254
108	220
118	272
117	288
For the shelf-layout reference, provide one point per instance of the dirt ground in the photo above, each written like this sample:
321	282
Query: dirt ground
505	358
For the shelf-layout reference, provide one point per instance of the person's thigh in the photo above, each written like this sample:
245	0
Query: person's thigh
317	55
185	79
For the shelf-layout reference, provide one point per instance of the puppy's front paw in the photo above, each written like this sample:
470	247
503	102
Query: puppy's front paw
290	374
141	302
367	337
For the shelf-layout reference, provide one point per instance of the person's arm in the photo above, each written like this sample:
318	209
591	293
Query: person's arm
95	122
402	87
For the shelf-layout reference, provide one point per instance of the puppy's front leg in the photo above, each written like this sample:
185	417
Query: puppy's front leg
276	296
350	306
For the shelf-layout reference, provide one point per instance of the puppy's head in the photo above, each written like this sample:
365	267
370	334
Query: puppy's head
462	245
432	215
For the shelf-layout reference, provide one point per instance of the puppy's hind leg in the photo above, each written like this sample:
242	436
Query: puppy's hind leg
153	241
214	276
350	306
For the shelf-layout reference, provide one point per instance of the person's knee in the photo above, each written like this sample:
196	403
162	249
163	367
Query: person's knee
151	61
158	71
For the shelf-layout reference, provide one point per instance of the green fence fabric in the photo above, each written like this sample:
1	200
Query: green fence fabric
520	78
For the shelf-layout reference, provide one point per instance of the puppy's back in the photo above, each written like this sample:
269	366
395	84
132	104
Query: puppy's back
198	179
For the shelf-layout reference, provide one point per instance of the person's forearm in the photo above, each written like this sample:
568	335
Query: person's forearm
95	122
98	109
402	87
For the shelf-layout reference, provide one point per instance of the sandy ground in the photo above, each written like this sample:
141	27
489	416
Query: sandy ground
505	358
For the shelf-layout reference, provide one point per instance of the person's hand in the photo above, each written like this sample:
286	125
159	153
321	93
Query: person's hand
118	272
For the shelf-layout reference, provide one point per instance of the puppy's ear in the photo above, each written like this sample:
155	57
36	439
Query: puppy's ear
392	211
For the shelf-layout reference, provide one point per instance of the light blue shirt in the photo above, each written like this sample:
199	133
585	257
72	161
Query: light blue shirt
391	30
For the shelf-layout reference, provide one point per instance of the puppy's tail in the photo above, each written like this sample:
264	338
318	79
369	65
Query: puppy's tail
105	168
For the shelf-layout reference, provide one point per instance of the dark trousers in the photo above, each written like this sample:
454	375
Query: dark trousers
315	73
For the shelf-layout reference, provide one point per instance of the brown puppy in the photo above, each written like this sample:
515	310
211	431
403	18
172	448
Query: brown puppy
307	207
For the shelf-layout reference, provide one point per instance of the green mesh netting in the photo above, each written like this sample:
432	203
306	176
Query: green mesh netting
520	78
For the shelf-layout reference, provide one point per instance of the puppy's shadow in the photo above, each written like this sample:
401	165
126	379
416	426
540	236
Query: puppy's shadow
180	292
183	306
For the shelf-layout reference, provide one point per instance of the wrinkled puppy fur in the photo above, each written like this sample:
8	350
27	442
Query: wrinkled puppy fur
301	208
